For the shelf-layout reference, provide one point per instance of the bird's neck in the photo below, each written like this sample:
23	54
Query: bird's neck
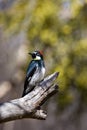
40	62
37	58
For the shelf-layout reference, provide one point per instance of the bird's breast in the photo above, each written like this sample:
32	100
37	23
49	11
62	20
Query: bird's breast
43	72
38	76
40	73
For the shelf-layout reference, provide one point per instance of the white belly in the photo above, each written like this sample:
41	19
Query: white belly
37	77
42	74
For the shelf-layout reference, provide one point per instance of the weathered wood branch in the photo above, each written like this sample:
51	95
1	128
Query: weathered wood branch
27	107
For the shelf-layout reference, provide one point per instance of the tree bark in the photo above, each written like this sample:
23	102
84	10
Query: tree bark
27	106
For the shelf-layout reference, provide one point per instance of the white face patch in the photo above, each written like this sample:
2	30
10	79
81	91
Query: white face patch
37	58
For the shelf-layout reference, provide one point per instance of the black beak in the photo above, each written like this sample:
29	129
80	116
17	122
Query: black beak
30	53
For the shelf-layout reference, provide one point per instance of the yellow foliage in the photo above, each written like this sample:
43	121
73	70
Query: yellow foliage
82	78
81	48
76	5
66	29
48	36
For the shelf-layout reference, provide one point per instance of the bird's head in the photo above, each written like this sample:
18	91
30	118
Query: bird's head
36	55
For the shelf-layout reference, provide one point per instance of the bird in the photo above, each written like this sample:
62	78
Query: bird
35	72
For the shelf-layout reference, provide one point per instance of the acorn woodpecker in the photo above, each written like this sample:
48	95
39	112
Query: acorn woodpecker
35	72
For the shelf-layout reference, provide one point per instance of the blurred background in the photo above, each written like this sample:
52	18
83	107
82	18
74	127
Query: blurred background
59	29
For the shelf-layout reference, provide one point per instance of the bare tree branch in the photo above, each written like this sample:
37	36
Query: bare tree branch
27	106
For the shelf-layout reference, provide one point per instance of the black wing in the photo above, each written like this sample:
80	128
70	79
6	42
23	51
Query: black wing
30	71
